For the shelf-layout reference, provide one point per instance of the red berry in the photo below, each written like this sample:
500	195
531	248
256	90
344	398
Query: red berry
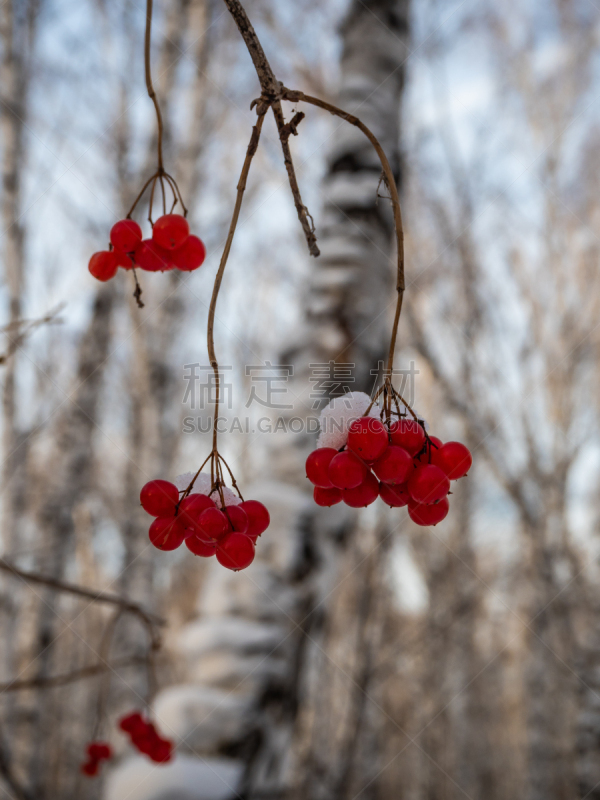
103	265
200	548
238	519
212	524
99	751
132	722
125	235
90	768
166	533
394	466
407	433
327	497
159	498
236	551
362	495
123	259
394	496
170	231
162	751
190	255
152	258
368	438
317	466
428	484
455	460
346	471
258	515
430	514
190	509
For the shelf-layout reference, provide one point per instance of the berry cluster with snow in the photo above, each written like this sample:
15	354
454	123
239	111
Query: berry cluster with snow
360	458
211	521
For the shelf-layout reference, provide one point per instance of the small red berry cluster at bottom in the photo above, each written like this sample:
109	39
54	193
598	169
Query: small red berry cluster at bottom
97	752
171	247
145	738
400	464
229	533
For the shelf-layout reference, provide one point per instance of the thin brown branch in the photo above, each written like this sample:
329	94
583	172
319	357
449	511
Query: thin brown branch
252	147
90	594
390	181
71	677
271	94
149	86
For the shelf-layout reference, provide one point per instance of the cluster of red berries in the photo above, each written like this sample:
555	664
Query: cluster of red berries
229	533
96	752
171	247
145	738
402	465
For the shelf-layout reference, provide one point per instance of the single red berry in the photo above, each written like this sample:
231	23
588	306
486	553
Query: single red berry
258	515
170	231
103	265
190	509
431	514
238	519
162	751
394	496
327	497
362	495
190	255
145	744
151	257
346	471
394	466
159	498
212	524
428	484
407	433
166	533
90	768
124	259
200	548
99	751
125	235
368	438
236	551
455	460
317	466
131	723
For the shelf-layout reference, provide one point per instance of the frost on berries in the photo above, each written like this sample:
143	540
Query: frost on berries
360	458
336	418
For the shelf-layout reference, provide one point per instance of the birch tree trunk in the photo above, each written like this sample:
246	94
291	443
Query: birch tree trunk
250	655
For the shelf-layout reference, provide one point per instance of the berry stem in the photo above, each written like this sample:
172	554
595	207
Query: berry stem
390	182
149	86
250	152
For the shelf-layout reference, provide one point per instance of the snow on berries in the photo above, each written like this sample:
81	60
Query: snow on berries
381	453
172	246
145	738
205	514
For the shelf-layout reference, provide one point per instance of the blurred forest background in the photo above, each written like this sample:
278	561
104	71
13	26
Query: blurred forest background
359	656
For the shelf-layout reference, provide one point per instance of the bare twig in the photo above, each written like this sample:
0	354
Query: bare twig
271	93
71	677
71	588
252	147
22	328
